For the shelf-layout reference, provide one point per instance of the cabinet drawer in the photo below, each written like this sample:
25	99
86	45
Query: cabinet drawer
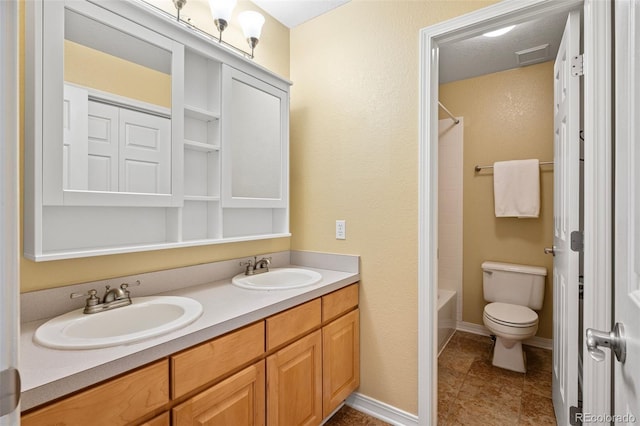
238	400
209	361
336	303
117	402
292	323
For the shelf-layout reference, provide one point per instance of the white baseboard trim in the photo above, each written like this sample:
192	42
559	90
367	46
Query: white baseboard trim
535	341
380	410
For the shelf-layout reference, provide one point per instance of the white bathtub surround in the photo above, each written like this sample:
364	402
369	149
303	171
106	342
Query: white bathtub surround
450	185
50	373
446	317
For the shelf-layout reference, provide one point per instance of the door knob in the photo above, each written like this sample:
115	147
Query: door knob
613	340
550	250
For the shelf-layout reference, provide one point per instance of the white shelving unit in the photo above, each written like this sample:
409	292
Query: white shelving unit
201	214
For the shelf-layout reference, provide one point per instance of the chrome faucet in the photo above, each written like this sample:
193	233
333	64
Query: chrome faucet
113	298
255	266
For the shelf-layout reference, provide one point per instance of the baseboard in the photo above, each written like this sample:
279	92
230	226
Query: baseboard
382	411
535	341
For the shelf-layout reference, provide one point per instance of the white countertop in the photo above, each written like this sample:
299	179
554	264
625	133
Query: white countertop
51	373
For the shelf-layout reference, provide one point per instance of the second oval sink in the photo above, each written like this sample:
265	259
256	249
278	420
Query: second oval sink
145	317
278	279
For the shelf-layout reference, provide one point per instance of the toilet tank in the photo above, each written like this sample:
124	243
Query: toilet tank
511	283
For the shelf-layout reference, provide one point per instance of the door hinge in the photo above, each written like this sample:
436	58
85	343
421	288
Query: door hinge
577	66
577	241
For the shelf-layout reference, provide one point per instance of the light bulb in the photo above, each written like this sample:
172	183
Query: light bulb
221	12
499	32
251	23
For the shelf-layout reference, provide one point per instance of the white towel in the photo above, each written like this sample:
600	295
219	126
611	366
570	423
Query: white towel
516	188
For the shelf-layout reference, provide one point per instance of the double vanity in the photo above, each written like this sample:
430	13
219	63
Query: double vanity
241	361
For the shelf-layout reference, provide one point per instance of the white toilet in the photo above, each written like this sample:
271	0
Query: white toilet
514	292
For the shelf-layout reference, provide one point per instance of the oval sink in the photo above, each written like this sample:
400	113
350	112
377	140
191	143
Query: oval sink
278	279
146	317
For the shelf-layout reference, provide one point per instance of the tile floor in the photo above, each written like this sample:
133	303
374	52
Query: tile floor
472	392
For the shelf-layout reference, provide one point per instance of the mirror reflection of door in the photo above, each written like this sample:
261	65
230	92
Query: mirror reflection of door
117	117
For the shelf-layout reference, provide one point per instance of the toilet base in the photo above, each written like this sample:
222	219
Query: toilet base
511	358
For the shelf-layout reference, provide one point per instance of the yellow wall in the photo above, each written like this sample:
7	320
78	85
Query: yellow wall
92	68
274	48
354	156
507	116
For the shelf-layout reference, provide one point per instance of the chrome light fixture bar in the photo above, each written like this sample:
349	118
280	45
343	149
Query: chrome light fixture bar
252	27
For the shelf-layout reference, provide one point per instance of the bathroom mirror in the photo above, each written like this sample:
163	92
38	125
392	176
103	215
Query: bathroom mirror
117	105
113	142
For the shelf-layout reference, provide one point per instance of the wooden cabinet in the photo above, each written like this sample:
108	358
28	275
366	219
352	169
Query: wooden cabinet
310	377
238	401
294	383
163	419
340	360
295	322
117	402
209	361
292	368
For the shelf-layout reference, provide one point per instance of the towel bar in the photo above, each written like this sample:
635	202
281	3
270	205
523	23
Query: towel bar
478	168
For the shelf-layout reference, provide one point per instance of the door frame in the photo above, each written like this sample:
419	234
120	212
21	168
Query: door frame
10	202
597	225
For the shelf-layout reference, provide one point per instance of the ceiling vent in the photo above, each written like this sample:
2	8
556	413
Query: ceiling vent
533	55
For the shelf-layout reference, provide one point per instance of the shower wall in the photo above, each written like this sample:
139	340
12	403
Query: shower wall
450	155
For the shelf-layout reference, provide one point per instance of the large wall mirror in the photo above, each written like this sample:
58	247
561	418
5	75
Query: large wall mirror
115	142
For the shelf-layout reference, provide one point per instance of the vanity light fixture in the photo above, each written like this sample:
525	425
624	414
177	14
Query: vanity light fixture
499	32
221	12
251	23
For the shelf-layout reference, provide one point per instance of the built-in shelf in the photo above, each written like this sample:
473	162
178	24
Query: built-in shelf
200	113
199	146
201	198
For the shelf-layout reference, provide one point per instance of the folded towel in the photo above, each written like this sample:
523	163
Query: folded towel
516	188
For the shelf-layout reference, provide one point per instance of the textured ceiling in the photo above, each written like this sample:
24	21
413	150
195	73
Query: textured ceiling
485	55
294	12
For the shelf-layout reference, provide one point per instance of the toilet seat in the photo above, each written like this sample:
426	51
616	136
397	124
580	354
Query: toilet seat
509	315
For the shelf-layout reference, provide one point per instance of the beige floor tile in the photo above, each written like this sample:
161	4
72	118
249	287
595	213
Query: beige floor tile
536	410
538	382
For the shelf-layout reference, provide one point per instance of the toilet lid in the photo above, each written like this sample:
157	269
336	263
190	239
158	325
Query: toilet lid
509	314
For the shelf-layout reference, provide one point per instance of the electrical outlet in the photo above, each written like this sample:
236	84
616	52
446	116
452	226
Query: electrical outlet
341	230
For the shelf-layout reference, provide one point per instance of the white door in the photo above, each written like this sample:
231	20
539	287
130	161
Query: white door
9	222
626	378
74	126
566	219
102	135
145	153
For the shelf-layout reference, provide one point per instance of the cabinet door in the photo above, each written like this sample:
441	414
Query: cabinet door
294	383
341	360
255	142
237	401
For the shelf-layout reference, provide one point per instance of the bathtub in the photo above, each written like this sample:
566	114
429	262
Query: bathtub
446	317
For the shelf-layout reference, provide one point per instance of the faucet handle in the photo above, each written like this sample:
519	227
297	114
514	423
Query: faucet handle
125	286
93	297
